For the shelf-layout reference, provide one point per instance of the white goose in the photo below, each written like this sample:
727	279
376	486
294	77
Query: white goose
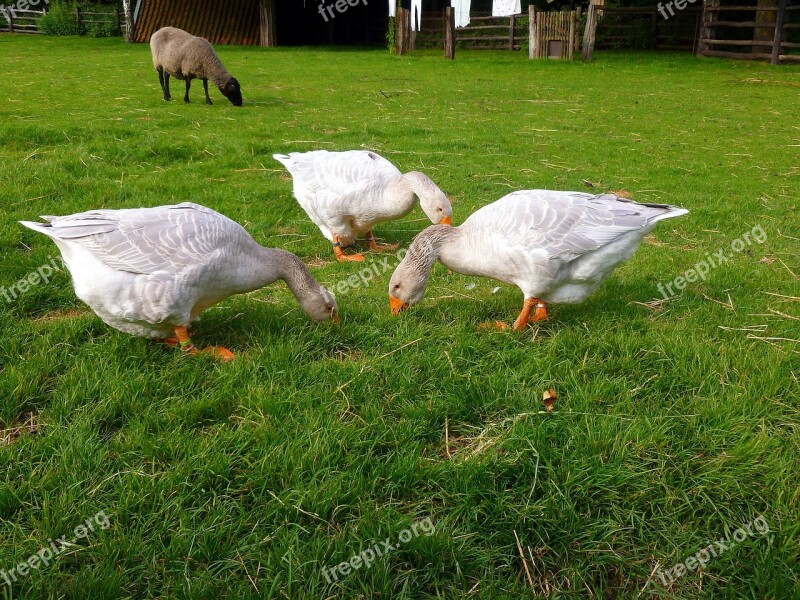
554	246
151	271
347	193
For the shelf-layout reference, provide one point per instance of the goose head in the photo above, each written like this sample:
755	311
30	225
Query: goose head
432	200
410	278
320	305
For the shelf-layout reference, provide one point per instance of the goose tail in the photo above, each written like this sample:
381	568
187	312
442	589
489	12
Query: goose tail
284	159
44	228
667	211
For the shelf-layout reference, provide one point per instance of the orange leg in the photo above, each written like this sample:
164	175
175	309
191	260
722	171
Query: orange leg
340	255
186	345
524	316
373	245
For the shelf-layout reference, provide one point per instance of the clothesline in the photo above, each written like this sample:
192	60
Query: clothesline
500	8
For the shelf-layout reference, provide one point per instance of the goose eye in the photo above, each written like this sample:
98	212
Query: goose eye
397	286
439	209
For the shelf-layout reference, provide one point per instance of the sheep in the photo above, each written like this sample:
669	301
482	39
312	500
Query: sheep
188	57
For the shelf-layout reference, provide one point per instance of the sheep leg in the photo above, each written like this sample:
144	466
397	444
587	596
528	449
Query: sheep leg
164	88
205	87
188	85
167	96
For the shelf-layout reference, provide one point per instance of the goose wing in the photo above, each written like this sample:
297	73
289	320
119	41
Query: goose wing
146	240
338	172
566	225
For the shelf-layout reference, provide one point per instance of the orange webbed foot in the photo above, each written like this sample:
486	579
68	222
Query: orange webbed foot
378	247
342	257
219	352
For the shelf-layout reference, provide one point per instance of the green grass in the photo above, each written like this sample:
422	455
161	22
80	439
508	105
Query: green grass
673	425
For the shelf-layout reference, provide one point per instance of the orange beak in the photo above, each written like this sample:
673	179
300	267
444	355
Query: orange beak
446	221
396	305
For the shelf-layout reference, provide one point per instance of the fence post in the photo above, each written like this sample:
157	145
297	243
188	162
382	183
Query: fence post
572	28
512	23
590	31
706	32
10	17
776	41
532	37
401	23
449	32
78	17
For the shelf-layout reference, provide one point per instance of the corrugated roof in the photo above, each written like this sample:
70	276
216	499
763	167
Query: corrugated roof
220	22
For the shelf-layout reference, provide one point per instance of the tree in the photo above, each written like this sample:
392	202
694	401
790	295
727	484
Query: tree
126	6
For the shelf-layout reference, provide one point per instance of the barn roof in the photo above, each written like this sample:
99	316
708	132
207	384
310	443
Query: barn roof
230	22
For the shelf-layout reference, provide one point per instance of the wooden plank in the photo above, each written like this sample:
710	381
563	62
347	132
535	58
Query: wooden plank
778	38
450	33
590	32
734	42
571	38
532	46
267	25
790	57
481	38
739	24
482	27
503	47
742	8
740	55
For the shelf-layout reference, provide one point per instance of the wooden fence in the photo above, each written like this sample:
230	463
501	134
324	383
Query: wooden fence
645	28
20	21
100	18
24	21
751	32
486	32
640	27
483	33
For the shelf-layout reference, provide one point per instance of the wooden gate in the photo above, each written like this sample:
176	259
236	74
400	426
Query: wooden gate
751	32
552	34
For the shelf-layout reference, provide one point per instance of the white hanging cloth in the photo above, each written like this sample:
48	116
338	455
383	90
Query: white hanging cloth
416	15
462	12
506	8
392	8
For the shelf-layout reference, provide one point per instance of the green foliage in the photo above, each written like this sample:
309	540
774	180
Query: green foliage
674	422
60	20
107	27
390	35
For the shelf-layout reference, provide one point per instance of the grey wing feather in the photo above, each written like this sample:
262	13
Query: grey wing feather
167	238
569	224
340	172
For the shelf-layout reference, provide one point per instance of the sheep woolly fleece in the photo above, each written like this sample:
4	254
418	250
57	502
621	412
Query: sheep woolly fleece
184	55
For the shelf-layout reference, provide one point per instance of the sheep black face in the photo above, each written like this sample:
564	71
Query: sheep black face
232	91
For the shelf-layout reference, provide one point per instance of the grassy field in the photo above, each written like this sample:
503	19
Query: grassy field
677	422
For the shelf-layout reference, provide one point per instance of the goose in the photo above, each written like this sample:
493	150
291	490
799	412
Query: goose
555	246
150	272
347	193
